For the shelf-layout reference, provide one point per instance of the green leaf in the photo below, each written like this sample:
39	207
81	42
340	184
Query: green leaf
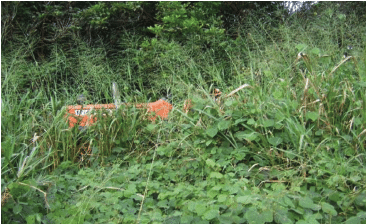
186	218
177	213
161	150
253	216
301	47
163	204
200	208
268	73
228	103
231	174
232	189
362	214
319	132
210	162
251	121
355	178
17	209
249	137
268	123
213	151
288	202
315	51
280	216
151	127
342	16
361	199
240	121
211	214
229	218
216	175
212	193
212	131
208	143
353	220
312	115
267	215
157	215
299	211
31	219
312	218
275	141
130	190
306	202
278	94
278	187
8	147
326	207
191	206
224	124
222	197
244	199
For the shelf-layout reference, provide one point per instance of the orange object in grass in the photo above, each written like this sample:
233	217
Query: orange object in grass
80	114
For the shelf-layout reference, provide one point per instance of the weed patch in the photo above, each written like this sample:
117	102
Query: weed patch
284	143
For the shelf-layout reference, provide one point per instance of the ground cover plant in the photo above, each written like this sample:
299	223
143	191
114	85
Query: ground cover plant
289	148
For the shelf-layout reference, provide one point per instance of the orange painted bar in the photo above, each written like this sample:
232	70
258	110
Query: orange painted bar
79	114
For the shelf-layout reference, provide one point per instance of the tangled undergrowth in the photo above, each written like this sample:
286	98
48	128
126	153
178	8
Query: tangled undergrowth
291	148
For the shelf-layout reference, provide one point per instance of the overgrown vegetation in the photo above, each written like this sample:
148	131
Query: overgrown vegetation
291	148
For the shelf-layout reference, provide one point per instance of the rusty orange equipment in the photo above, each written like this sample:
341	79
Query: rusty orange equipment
81	114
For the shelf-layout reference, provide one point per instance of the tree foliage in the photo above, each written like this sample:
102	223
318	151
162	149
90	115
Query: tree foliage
62	22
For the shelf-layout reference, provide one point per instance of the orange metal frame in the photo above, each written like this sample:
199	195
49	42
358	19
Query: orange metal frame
81	115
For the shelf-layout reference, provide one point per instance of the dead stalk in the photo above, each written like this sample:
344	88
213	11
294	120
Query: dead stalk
342	62
238	89
44	193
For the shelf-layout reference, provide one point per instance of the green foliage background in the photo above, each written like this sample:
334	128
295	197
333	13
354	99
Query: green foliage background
291	148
